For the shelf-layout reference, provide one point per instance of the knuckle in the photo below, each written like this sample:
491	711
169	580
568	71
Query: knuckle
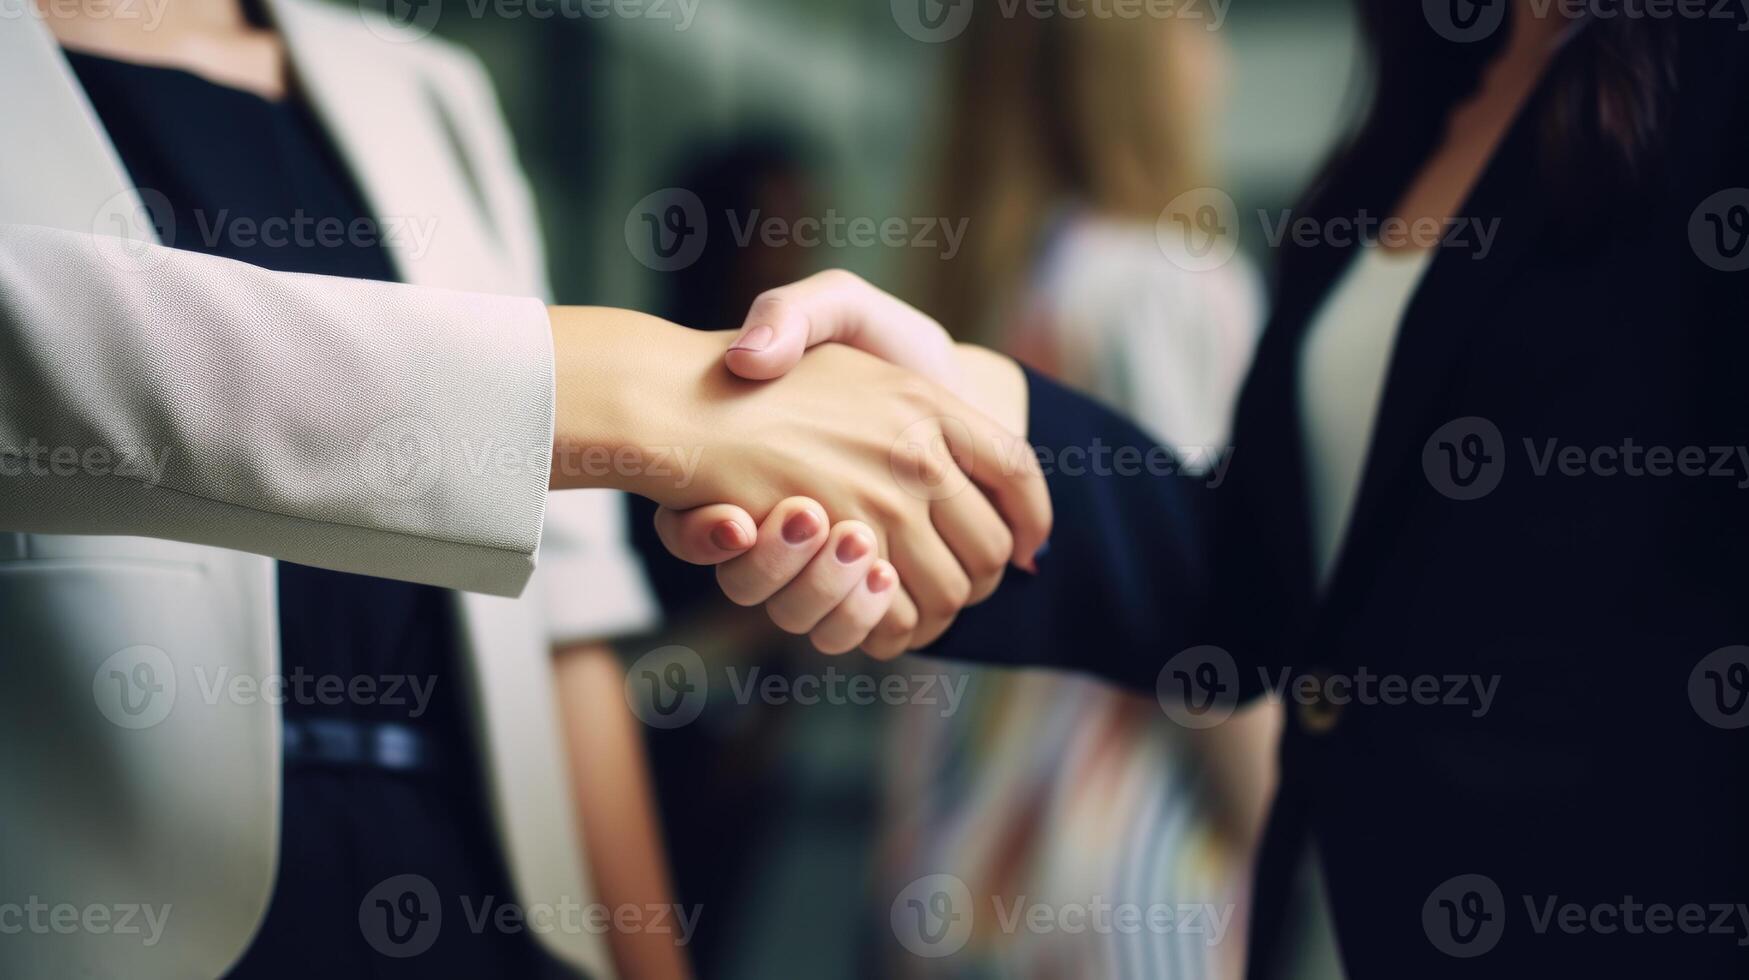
839	278
736	587
897	625
829	645
787	620
769	302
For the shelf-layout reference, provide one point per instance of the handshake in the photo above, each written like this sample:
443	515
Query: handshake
881	486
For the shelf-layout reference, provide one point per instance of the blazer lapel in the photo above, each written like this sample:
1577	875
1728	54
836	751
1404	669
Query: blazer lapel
63	172
388	127
1455	297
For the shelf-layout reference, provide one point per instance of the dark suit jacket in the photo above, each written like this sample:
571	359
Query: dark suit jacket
1590	813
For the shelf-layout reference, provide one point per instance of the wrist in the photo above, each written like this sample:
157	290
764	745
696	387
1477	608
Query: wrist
995	384
623	386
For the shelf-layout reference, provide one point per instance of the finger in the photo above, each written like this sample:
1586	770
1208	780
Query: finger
848	626
708	535
1004	467
974	532
933	577
837	569
839	306
792	533
892	635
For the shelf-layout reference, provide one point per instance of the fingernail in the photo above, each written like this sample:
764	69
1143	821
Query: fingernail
1043	550
852	548
729	536
758	338
801	526
879	579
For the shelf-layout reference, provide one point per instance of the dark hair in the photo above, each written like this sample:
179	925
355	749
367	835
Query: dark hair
1603	109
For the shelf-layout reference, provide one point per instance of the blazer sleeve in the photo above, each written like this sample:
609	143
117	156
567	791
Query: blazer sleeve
1125	582
366	427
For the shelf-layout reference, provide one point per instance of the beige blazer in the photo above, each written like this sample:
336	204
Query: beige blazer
170	423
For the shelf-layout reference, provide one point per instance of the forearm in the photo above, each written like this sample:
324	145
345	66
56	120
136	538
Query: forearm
369	427
615	803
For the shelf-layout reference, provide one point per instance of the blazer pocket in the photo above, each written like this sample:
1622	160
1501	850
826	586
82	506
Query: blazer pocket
121	742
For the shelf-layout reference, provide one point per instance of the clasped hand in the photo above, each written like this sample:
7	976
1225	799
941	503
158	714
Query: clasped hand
867	497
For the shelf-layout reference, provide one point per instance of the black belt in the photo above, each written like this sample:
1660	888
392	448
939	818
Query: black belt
360	745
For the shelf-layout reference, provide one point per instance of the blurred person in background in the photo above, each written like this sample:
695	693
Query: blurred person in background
1063	141
1517	689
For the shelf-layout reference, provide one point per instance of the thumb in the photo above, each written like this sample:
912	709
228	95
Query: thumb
837	306
783	324
706	535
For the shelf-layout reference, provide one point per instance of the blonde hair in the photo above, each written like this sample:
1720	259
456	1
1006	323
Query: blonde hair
1048	113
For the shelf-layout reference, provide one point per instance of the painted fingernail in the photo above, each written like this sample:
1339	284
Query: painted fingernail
729	536
852	548
880	578
758	338
800	526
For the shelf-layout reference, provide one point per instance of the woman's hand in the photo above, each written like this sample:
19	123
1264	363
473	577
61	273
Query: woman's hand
838	307
943	493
